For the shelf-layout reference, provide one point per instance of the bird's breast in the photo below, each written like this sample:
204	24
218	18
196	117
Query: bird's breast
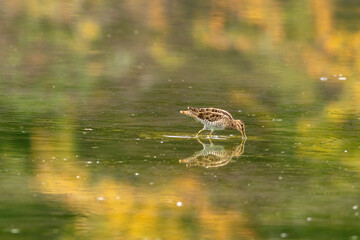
216	125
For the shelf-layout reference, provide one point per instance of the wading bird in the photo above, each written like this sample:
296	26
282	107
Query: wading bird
215	119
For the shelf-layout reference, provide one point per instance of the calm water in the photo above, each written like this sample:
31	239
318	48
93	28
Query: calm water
93	146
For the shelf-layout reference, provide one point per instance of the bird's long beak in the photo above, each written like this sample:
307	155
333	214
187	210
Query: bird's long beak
243	134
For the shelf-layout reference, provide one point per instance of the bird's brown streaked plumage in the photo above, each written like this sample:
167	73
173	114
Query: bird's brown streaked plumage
215	119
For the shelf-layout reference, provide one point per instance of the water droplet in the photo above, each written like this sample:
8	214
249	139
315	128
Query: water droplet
283	235
15	230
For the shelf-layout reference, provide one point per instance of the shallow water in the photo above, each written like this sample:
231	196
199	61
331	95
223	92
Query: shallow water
93	146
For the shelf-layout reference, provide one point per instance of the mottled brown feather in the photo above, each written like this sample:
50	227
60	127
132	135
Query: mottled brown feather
215	119
210	114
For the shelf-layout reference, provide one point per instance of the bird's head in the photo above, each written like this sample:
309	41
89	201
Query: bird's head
240	126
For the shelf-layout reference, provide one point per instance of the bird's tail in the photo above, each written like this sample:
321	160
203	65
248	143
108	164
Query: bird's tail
192	112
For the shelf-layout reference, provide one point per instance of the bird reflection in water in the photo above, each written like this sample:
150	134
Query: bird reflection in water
213	155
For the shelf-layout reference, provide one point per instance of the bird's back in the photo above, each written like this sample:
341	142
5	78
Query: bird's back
209	114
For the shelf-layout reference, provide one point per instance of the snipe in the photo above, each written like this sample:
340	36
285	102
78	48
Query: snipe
215	119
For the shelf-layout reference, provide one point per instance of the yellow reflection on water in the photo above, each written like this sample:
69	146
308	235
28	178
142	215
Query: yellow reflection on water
112	209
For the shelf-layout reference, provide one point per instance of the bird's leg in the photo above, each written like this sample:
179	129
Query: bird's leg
210	133
197	135
198	139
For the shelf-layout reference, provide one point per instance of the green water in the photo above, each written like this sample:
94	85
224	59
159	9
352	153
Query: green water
92	144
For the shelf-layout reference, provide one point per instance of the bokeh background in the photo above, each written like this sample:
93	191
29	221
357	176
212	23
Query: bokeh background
93	145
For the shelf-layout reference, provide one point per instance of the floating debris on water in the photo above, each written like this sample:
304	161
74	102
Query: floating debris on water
309	219
88	129
77	176
355	207
341	77
173	136
179	204
100	198
136	174
323	78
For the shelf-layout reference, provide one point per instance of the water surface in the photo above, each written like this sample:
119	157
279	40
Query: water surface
93	145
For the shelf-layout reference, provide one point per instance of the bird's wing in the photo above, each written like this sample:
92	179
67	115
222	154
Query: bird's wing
210	114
